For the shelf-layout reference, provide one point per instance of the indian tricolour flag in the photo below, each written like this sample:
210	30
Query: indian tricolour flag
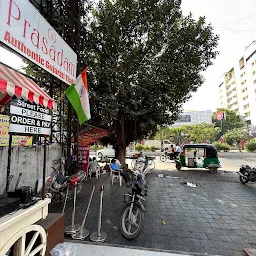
78	96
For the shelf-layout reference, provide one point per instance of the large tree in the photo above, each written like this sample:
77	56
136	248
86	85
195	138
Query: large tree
200	132
145	60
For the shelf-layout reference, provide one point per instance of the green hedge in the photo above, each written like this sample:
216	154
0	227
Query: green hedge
221	146
96	147
140	147
250	146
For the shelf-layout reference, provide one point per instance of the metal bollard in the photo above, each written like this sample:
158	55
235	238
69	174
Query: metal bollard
65	202
83	233
73	228
99	236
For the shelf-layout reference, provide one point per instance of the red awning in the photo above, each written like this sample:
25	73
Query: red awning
90	135
12	83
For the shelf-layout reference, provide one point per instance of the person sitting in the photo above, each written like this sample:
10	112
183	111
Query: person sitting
124	174
94	160
170	152
118	163
178	149
106	167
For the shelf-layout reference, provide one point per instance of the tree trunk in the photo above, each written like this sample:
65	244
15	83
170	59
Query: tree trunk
120	147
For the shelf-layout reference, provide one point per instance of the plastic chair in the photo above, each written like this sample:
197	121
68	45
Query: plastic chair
94	168
115	175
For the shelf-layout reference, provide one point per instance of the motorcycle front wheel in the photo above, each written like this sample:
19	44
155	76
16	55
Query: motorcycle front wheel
163	158
243	180
132	228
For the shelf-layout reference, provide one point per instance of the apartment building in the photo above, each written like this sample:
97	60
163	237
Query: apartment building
237	89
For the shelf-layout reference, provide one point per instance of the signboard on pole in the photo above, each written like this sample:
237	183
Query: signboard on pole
219	115
25	30
83	158
16	140
29	118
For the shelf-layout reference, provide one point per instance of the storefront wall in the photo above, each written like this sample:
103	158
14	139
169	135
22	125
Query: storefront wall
29	162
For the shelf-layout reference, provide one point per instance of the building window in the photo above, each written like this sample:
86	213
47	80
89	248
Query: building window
247	114
246	106
253	63
243	82
245	98
244	90
243	74
254	81
254	72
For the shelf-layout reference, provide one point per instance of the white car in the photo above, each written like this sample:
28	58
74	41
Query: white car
167	144
109	152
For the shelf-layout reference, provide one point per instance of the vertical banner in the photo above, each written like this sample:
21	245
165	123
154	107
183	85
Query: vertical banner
83	157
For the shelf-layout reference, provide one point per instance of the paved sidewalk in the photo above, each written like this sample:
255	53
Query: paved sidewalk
218	217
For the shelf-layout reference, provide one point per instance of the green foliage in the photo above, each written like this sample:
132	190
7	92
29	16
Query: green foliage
196	133
221	146
231	122
147	148
139	147
136	55
235	136
153	148
199	132
250	146
96	147
163	133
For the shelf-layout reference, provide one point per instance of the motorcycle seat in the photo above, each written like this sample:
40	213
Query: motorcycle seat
61	179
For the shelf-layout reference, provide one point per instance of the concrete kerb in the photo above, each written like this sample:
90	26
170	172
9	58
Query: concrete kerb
142	248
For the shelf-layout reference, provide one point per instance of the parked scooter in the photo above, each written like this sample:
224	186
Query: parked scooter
132	215
247	173
59	184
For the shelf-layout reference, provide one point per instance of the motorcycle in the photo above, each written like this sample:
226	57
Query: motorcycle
132	215
59	184
169	156
247	173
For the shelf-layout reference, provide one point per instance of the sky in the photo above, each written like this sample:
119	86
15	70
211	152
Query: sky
233	20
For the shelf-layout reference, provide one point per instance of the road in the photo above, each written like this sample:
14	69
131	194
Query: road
230	161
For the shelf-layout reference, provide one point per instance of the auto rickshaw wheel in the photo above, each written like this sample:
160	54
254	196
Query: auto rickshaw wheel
213	170
178	166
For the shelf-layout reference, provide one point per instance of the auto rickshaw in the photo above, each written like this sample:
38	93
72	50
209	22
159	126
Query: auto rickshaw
198	156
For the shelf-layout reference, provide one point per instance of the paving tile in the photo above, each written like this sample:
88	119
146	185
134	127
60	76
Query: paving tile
201	236
195	220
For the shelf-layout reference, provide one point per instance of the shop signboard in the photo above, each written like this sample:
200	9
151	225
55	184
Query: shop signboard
184	119
26	31
29	118
4	135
